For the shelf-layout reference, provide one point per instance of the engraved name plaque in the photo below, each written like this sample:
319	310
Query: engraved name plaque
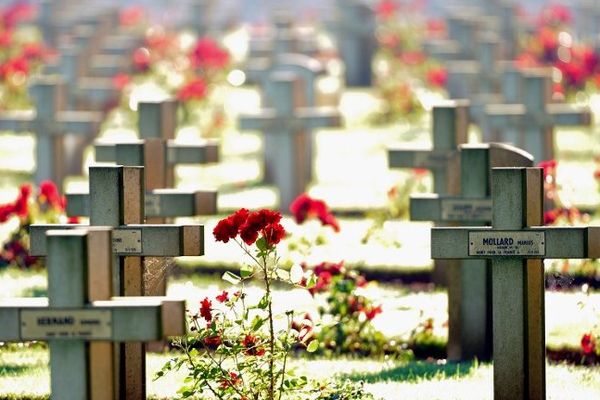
66	324
467	210
152	205
127	241
507	243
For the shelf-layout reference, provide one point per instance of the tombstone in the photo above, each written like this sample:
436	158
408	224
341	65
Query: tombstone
50	123
80	321
469	297
517	244
117	200
288	139
355	34
536	116
450	129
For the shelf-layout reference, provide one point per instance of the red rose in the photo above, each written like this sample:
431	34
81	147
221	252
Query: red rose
208	54
228	228
273	234
304	207
206	309
588	343
6	210
233	380
250	342
213	341
372	312
386	9
223	297
437	77
141	59
48	193
256	222
195	89
21	205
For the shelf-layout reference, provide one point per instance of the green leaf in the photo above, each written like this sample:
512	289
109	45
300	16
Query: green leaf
261	244
231	278
246	271
257	322
263	303
312	346
311	281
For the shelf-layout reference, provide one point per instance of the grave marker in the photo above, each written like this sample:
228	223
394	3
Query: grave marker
50	122
79	321
355	34
517	244
469	297
288	139
117	200
536	116
450	129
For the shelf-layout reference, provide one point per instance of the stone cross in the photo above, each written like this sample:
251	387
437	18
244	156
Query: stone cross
288	139
80	320
517	244
355	35
536	116
50	122
469	297
450	129
117	200
154	155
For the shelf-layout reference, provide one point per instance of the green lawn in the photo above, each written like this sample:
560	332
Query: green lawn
24	375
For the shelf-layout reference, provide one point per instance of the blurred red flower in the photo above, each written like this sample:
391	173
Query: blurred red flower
141	59
208	54
304	208
588	343
196	89
206	309
386	9
121	80
437	77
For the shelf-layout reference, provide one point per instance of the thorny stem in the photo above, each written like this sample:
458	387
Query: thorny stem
225	374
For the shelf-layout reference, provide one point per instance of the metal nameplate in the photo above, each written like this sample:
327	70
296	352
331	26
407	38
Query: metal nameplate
467	210
66	324
431	159
507	243
152	204
127	241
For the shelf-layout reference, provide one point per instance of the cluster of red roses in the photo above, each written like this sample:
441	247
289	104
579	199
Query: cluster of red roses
48	199
17	57
552	45
15	251
304	208
249	225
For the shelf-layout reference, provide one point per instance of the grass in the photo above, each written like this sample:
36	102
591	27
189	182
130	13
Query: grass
27	377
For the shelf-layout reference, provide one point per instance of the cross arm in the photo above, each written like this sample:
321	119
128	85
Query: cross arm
79	122
258	122
162	240
97	89
106	65
569	115
502	115
17	121
402	157
547	242
314	118
167	203
202	152
432	207
135	319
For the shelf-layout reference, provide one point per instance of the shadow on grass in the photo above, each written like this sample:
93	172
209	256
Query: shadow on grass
414	371
14	369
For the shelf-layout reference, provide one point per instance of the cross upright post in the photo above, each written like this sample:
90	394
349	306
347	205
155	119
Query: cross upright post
50	122
537	116
450	129
288	138
517	244
117	200
355	34
469	281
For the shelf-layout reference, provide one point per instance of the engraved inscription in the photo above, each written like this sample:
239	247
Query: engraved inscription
152	205
507	243
65	324
127	241
467	210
